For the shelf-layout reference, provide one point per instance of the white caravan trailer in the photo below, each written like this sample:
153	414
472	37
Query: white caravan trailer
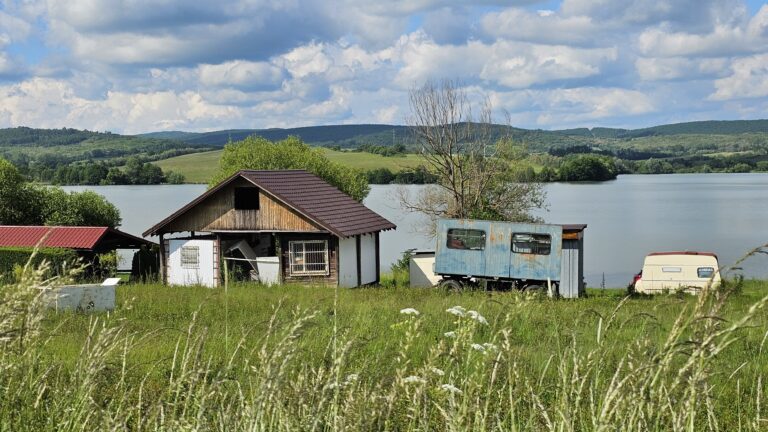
677	271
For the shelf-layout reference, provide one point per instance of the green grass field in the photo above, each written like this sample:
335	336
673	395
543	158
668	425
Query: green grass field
200	167
317	358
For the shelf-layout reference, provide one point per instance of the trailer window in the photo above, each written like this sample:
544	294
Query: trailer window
530	243
705	272
460	238
190	257
308	258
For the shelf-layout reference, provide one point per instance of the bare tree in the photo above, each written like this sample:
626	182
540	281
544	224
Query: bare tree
470	157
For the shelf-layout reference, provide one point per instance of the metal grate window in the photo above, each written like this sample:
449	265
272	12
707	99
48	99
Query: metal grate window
190	257
308	258
531	243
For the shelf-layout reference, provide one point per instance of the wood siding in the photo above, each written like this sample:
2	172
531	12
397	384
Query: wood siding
218	212
333	247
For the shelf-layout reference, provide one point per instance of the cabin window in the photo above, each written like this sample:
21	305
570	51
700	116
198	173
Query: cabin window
246	198
705	272
471	239
308	258
531	243
190	257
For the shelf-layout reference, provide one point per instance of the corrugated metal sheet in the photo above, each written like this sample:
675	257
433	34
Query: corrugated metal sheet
308	194
65	237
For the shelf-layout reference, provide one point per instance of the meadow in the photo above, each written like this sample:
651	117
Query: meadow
288	358
200	167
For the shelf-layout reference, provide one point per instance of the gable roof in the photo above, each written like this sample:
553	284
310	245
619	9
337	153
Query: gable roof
72	237
306	193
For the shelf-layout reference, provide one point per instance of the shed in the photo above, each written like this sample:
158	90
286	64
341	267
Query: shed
255	219
82	239
86	241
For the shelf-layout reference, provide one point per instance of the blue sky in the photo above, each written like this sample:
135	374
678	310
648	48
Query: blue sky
133	66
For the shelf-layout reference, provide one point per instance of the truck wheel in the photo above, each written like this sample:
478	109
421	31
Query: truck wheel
451	285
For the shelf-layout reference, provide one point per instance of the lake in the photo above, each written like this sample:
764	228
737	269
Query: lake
627	218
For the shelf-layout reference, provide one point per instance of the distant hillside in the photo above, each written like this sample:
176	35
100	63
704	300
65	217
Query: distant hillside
351	136
709	127
175	135
38	150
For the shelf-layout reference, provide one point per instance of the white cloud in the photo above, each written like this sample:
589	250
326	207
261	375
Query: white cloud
141	65
748	80
241	74
53	104
725	39
679	68
509	64
543	27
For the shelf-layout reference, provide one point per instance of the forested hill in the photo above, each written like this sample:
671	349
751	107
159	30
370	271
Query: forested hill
709	127
40	152
350	136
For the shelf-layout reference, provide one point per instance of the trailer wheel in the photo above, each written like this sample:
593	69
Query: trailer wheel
451	285
534	289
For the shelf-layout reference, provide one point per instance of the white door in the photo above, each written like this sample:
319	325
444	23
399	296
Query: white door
191	262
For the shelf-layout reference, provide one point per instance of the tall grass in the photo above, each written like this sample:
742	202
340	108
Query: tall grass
316	358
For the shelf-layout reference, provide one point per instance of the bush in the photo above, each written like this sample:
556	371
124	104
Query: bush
59	259
588	168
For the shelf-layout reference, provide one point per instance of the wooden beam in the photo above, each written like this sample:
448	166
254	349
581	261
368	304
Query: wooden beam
359	259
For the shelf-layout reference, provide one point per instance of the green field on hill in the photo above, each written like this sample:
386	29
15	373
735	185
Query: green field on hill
200	167
318	358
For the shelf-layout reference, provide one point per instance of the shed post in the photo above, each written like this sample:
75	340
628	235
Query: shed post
163	261
378	260
359	262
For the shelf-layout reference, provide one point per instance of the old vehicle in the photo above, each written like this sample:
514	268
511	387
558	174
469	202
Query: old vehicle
506	255
677	271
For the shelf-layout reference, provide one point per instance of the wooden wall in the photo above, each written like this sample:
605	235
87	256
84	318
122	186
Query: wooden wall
217	212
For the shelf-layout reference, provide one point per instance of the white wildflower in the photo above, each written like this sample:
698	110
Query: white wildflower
475	315
451	388
351	378
414	380
478	347
456	310
436	371
409	311
450	334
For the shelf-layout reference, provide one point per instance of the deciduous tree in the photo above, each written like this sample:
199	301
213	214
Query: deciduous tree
291	153
470	157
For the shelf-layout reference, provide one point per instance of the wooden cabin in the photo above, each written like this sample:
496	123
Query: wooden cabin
271	227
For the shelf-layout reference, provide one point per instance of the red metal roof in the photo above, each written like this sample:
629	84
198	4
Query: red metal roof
72	237
308	194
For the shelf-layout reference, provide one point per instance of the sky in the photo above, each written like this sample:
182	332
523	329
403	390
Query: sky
135	66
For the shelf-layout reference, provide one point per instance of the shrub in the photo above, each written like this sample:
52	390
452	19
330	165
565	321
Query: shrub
59	259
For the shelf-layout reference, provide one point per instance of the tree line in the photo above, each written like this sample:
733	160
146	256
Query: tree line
25	203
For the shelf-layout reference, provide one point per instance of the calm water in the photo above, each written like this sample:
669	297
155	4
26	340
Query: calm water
627	218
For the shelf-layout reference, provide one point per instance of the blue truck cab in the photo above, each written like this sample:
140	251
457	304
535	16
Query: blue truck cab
504	255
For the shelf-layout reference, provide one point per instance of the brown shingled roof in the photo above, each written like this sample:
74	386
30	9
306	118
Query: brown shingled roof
311	196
